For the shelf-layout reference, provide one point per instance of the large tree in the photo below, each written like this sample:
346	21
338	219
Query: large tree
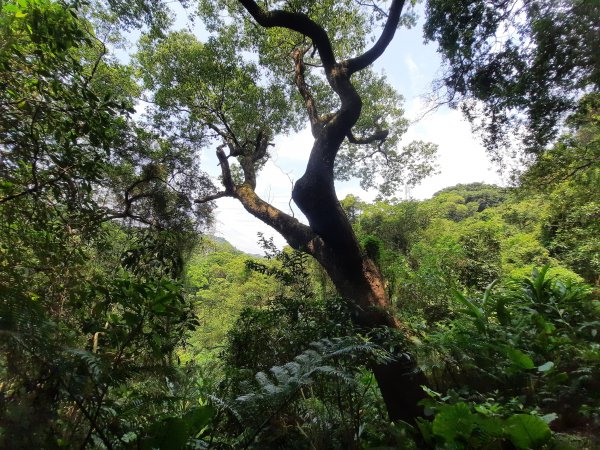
314	65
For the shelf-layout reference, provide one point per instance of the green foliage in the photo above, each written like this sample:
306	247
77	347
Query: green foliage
284	382
317	399
66	132
484	195
469	235
567	175
373	247
574	156
105	358
224	287
265	337
472	426
481	244
91	310
533	339
520	83
56	130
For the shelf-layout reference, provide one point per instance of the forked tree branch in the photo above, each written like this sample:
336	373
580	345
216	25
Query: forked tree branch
298	235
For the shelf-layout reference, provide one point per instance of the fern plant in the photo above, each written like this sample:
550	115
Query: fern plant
329	363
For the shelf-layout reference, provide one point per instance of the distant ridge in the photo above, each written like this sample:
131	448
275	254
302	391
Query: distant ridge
219	243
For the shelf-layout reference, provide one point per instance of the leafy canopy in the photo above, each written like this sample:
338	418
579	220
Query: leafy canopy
516	67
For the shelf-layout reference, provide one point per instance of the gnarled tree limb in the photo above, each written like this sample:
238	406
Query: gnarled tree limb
295	22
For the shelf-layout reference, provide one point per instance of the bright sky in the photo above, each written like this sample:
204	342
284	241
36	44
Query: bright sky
410	66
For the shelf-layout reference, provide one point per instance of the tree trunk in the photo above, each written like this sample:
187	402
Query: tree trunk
358	279
355	276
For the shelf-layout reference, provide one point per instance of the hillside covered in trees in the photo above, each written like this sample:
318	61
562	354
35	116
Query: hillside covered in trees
467	320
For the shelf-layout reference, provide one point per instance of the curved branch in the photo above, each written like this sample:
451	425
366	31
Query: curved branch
298	235
367	58
295	22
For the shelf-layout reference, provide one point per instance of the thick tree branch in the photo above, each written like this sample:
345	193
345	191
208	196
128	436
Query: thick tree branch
225	171
298	235
212	197
295	22
366	59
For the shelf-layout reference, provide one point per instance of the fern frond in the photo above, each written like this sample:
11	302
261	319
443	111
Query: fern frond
323	358
91	361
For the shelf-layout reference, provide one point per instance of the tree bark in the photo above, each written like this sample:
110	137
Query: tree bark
358	279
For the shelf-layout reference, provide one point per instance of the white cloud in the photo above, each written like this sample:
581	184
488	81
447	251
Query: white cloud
462	159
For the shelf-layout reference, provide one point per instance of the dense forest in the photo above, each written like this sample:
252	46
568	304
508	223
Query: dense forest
469	320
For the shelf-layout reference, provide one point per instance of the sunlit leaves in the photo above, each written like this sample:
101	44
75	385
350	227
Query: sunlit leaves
206	91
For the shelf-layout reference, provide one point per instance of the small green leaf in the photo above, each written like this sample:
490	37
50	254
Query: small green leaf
519	359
